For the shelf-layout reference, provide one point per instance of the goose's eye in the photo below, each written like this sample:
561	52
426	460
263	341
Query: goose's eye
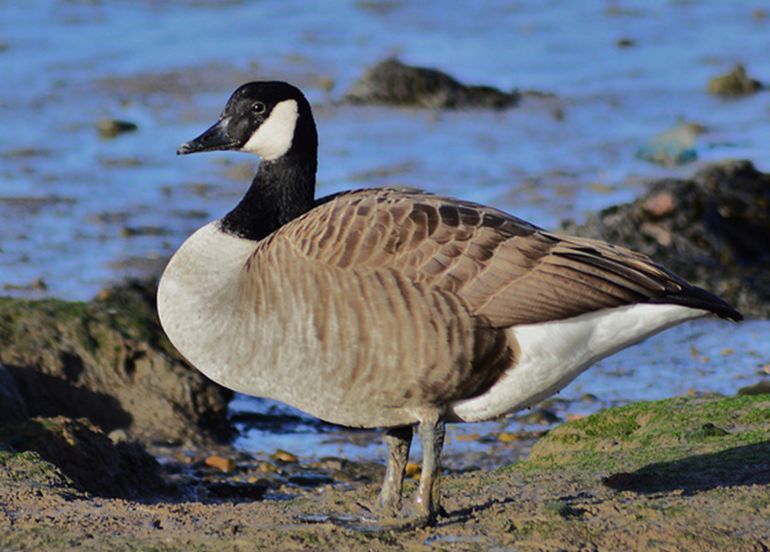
258	107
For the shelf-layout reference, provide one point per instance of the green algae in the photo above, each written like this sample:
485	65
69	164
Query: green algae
628	437
29	470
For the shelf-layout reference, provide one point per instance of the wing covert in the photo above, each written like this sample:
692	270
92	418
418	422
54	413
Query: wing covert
505	269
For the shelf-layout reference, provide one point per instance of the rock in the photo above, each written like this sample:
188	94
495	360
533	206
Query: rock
108	361
27	471
12	405
734	84
110	128
538	416
676	146
86	456
412	470
38	284
760	388
659	205
131	231
310	479
394	83
714	231
231	490
221	463
284	457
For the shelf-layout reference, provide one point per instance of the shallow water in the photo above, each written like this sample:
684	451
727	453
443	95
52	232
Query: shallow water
78	211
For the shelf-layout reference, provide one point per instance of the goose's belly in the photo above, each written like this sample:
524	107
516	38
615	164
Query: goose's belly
370	351
350	373
555	353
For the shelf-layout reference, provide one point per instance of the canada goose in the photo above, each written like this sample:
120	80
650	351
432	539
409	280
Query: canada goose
388	307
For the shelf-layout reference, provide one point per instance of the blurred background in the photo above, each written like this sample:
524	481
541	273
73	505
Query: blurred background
95	97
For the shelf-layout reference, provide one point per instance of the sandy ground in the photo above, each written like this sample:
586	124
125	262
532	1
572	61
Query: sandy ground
683	474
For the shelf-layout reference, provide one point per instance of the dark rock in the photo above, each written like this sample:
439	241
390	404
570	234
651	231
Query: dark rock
716	235
86	456
108	361
231	490
735	83
394	83
760	388
310	479
12	405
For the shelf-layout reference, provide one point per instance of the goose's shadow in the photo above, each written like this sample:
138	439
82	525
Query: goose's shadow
734	467
741	466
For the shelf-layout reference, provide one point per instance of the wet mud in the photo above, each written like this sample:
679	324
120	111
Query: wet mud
678	474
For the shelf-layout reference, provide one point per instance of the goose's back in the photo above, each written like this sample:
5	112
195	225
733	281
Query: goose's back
507	271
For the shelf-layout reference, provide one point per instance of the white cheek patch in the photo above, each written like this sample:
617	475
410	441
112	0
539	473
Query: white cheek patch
274	137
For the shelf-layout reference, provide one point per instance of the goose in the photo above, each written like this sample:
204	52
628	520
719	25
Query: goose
395	308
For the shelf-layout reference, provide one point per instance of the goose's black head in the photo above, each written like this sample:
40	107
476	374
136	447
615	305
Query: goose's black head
271	119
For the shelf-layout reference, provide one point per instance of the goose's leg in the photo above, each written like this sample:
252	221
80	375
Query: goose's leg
428	499
398	440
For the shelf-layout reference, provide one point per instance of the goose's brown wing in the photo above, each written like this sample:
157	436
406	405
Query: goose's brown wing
505	269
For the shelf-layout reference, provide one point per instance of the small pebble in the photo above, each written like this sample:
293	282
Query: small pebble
110	128
221	463
267	467
330	463
506	437
733	84
413	470
286	457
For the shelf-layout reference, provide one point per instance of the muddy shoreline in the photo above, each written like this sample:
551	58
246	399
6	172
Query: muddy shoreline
678	474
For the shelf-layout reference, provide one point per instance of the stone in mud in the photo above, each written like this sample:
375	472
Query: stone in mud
734	84
109	361
12	405
394	83
715	234
83	454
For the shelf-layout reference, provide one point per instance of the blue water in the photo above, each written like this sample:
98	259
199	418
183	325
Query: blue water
68	198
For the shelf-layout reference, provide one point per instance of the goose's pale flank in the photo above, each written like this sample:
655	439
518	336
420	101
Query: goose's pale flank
390	307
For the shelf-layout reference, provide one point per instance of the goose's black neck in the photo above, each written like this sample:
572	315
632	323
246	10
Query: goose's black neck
282	190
